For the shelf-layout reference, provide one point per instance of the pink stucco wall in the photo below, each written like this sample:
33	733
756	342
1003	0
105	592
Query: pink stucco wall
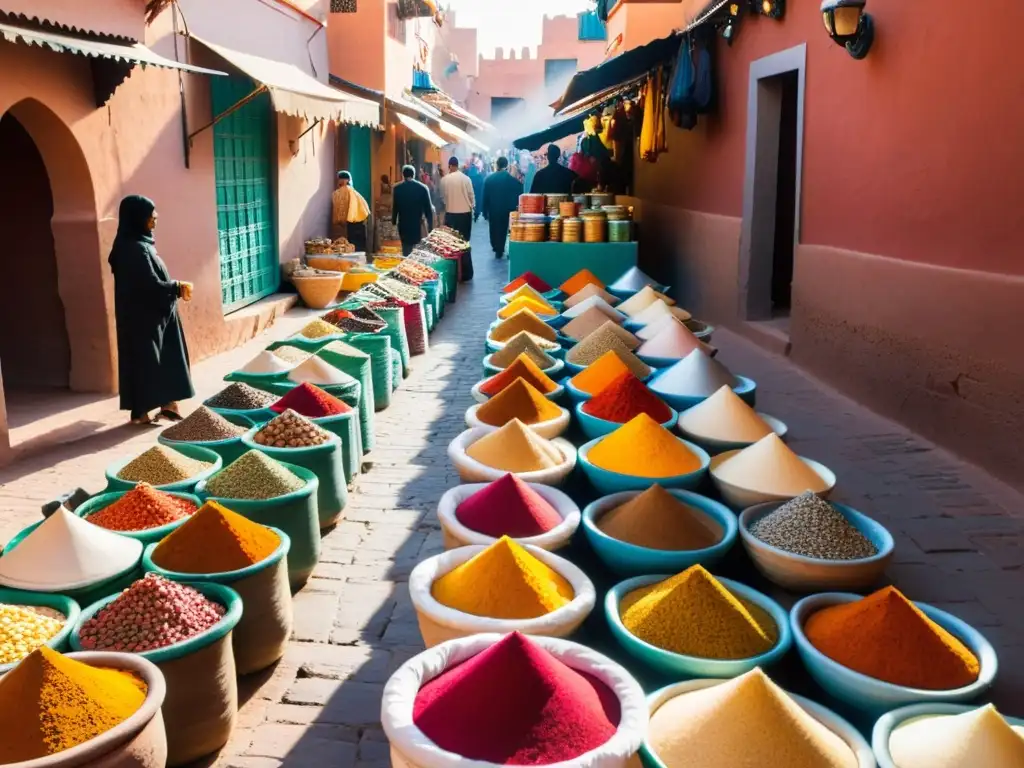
123	18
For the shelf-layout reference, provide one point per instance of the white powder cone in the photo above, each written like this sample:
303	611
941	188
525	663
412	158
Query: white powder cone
599	303
633	279
770	466
266	362
696	375
674	340
978	737
658	309
654	327
589	290
639	301
724	416
67	552
746	721
319	372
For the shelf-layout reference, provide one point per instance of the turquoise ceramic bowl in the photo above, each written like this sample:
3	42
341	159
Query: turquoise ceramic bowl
659	362
700	329
576	395
679	665
632	326
114	483
573	369
566	342
552	371
844	730
746	389
630	294
147	536
890	721
874	696
556	322
627	559
594	427
217	593
613	482
64	605
798	573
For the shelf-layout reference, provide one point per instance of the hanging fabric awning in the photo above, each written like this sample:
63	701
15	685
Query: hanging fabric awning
553	132
461	135
294	92
126	52
614	73
467	116
421	130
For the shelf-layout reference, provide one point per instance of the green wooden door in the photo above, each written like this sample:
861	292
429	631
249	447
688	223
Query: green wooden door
359	149
242	143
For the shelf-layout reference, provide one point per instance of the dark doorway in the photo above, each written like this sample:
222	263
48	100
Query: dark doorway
34	349
503	107
785	198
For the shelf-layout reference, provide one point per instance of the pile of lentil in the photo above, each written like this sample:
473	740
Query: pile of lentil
50	703
290	430
254	476
215	540
161	465
203	426
152	613
810	526
142	508
23	628
693	614
601	341
240	397
311	401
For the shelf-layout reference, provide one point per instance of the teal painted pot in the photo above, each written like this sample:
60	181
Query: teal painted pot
261	635
114	483
746	389
607	482
147	536
294	513
64	605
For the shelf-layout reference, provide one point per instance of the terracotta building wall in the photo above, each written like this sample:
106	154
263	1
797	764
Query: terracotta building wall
908	277
123	18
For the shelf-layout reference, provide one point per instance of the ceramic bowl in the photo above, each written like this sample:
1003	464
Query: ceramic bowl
550	429
680	665
713	446
667	362
628	559
472	471
630	294
481	398
573	368
890	721
746	389
828	718
700	329
496	346
552	371
798	573
594	427
875	696
738	497
607	482
576	395
545	317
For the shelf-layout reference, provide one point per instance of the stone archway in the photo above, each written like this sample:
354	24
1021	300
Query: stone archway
81	283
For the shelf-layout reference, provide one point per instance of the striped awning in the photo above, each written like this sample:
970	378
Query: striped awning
421	130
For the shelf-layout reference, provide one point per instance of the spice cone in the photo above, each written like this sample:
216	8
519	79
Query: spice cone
600	342
656	519
523	320
522	343
508	507
579	281
591	290
977	737
643	448
522	368
527	292
503	582
600	374
693	614
515	448
585	324
770	466
633	279
624	399
638	302
595	302
724	416
215	540
519	400
742	722
674	340
540	307
696	375
527	278
887	637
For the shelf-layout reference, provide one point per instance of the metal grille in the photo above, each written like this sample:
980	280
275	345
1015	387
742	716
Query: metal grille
249	267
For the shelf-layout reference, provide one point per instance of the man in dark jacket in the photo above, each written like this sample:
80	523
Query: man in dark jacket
410	203
554	178
500	198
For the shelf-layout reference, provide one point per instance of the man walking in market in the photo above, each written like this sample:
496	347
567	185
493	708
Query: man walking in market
459	202
500	198
410	204
349	212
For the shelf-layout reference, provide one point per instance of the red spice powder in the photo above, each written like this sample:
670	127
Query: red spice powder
311	401
508	507
624	398
142	508
516	704
530	279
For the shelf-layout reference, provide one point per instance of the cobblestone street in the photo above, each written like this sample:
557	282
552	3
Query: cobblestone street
958	532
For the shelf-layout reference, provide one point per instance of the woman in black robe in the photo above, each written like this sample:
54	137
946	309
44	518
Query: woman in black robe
152	364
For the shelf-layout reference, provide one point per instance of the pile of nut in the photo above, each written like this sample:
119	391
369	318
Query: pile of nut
290	430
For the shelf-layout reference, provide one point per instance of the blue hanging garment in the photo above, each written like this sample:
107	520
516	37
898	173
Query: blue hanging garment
682	108
704	88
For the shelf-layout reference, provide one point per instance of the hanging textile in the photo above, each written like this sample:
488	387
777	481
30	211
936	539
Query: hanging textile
682	106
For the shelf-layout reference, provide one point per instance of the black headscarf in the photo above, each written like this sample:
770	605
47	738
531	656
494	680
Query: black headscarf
132	227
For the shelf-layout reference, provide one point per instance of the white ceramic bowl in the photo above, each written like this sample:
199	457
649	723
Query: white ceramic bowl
739	497
550	429
472	471
481	398
458	535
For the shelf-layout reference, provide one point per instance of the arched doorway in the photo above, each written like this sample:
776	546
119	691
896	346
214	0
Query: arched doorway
35	351
56	327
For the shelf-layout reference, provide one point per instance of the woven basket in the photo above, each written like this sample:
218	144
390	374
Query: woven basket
333	263
318	292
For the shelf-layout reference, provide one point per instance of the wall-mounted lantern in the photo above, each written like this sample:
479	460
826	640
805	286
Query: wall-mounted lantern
849	26
773	9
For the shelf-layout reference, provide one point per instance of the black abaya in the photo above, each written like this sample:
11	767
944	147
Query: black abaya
153	362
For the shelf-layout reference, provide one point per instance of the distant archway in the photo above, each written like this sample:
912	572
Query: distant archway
75	241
